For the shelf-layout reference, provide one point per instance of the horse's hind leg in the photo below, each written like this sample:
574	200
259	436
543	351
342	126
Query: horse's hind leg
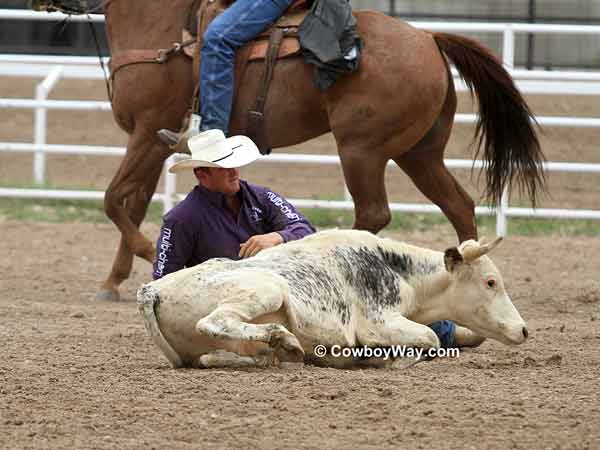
364	175
424	164
126	202
433	179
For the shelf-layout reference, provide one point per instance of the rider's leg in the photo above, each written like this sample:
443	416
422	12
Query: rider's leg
238	24
445	330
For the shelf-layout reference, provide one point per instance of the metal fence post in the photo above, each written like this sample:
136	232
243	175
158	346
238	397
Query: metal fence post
170	186
392	10
347	195
42	91
501	221
508	58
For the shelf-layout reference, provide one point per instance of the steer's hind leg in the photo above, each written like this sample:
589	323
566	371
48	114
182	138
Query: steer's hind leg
221	358
232	319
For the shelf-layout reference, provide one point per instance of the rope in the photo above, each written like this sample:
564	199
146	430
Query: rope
102	65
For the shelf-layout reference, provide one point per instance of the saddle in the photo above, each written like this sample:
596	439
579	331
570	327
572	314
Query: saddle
277	42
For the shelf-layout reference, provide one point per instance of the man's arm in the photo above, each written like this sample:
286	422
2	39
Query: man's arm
281	217
285	219
174	248
259	242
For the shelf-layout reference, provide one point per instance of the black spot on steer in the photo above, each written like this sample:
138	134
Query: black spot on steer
373	278
405	266
314	285
376	275
400	263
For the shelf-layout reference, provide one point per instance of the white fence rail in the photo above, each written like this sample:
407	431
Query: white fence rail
53	68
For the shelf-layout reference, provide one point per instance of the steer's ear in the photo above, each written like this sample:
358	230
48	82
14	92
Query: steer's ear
452	259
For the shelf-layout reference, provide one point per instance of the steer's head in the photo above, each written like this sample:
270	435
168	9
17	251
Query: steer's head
480	301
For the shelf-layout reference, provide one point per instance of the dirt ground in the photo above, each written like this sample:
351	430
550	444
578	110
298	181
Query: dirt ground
80	374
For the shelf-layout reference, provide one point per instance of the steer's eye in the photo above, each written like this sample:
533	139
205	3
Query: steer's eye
491	284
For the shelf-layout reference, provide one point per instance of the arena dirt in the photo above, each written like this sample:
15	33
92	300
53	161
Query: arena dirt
79	374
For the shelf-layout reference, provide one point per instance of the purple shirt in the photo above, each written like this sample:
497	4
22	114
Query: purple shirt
202	226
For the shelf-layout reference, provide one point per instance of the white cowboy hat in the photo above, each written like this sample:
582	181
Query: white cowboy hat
212	149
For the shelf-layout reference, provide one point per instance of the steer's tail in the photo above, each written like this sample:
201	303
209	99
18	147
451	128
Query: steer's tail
147	299
505	125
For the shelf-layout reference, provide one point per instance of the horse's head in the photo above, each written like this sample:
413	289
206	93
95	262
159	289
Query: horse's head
68	6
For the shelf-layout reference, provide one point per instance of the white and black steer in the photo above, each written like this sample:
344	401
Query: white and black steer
346	288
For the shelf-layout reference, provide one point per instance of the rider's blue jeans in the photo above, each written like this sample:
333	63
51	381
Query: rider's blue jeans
445	332
238	24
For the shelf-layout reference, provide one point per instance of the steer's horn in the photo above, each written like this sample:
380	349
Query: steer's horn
471	253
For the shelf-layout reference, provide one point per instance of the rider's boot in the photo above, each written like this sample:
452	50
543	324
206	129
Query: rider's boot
178	141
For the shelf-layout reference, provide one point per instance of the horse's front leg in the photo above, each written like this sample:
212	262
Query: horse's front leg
126	202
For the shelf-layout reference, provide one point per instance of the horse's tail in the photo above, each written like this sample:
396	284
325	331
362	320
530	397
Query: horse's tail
505	124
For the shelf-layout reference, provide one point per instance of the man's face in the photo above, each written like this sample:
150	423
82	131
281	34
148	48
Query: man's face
216	179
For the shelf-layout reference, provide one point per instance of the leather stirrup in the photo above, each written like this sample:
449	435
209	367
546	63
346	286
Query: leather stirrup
255	128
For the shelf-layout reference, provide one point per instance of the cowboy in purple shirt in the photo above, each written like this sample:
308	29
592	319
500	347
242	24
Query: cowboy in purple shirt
223	216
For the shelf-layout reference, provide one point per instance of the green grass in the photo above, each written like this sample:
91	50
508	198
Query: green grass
344	219
56	210
59	211
91	211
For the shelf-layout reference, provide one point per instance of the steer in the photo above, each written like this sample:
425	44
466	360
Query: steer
346	288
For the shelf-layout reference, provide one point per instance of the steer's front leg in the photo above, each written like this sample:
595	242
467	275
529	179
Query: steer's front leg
397	330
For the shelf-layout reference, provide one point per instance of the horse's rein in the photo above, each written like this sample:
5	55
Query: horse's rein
129	57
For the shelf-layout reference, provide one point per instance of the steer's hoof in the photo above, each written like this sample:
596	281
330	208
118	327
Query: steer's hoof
463	337
221	358
291	365
287	347
407	363
107	295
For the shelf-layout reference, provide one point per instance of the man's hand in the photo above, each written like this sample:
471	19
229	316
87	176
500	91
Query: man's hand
259	242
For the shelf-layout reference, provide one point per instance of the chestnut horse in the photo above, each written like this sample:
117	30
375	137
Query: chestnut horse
399	105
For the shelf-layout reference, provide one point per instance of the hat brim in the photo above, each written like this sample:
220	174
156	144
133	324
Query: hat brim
243	152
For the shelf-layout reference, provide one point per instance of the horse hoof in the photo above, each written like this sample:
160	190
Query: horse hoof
107	295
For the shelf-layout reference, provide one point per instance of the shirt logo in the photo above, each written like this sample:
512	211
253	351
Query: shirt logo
255	214
161	258
285	209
